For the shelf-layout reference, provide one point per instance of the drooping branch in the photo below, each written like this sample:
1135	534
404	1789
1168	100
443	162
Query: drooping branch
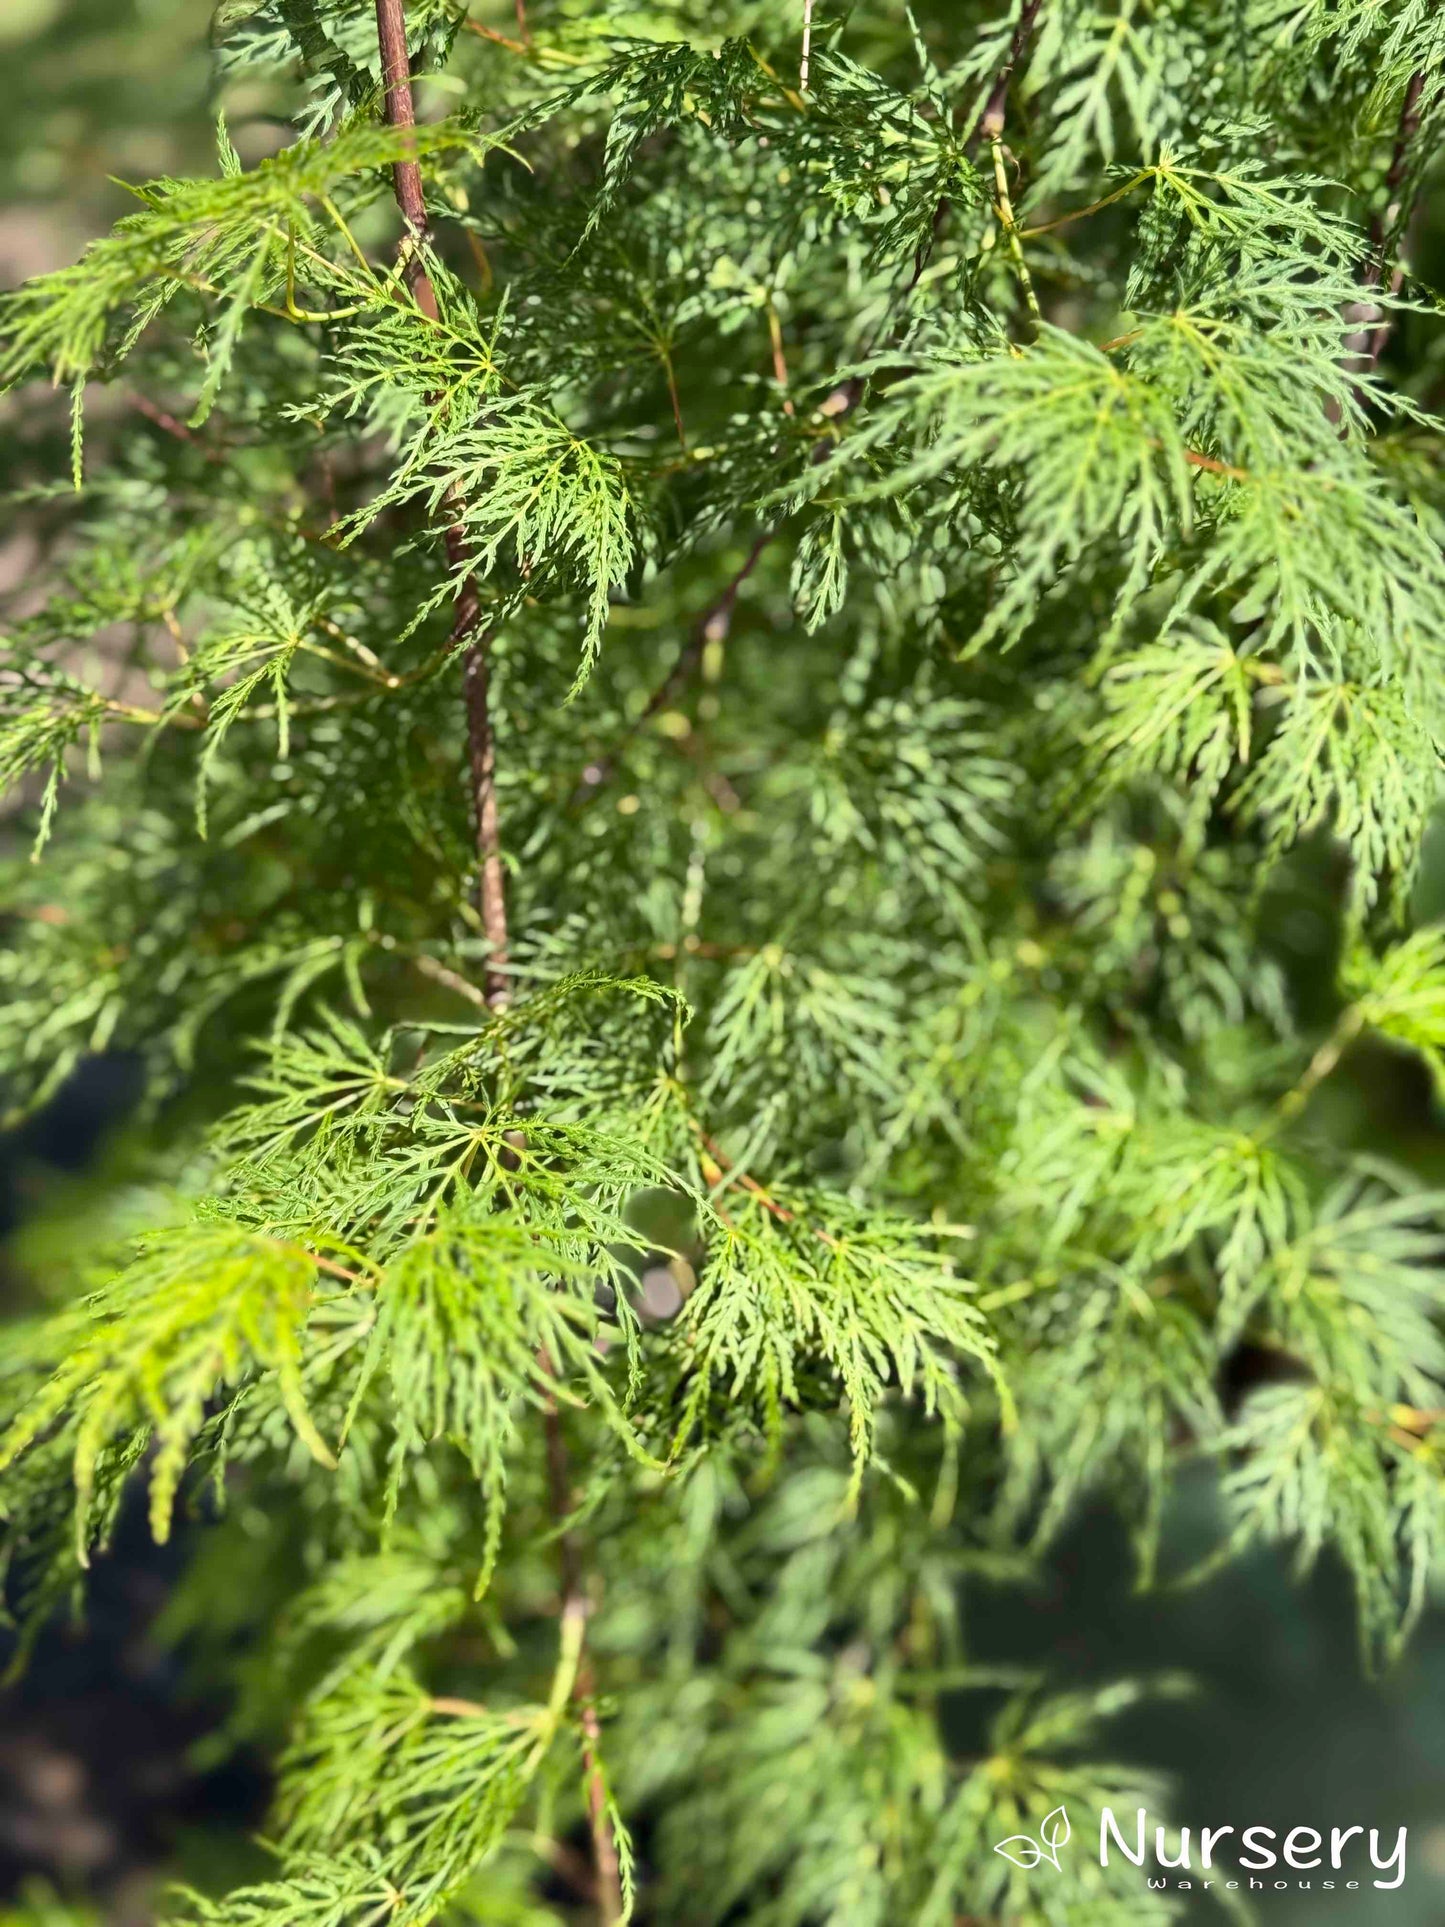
468	635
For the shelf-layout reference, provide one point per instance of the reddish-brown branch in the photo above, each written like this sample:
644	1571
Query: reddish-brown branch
470	638
170	424
780	359
718	1169
491	890
406	174
1212	467
490	33
1414	1420
335	1270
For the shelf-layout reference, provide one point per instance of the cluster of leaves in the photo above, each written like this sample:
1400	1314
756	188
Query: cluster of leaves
938	576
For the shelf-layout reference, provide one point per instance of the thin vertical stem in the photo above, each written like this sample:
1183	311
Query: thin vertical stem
400	112
1011	233
1365	342
492	905
467	633
711	628
576	1604
1390	223
672	395
989	126
780	359
991	120
807	55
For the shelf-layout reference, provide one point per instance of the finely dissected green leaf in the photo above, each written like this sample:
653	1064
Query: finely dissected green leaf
196	1312
237	237
1400	992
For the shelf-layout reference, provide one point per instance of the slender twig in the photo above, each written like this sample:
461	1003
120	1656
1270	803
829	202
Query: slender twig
989	126
527	48
1011	234
711	626
169	424
1213	467
151	718
780	359
1396	215
1365	342
720	1171
490	33
695	946
391	33
1082	213
458	1709
468	636
575	1604
426	966
330	1266
359	649
1351	1022
807	55
1413	1419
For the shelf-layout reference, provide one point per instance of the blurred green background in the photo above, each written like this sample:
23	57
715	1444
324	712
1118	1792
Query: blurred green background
102	1787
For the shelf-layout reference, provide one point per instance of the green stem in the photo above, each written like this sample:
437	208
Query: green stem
1011	234
1351	1022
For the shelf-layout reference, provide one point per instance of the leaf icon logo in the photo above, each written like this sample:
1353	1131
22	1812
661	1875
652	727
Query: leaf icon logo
1026	1852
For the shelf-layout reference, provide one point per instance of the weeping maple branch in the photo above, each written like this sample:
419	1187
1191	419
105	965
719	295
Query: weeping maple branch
481	743
468	635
